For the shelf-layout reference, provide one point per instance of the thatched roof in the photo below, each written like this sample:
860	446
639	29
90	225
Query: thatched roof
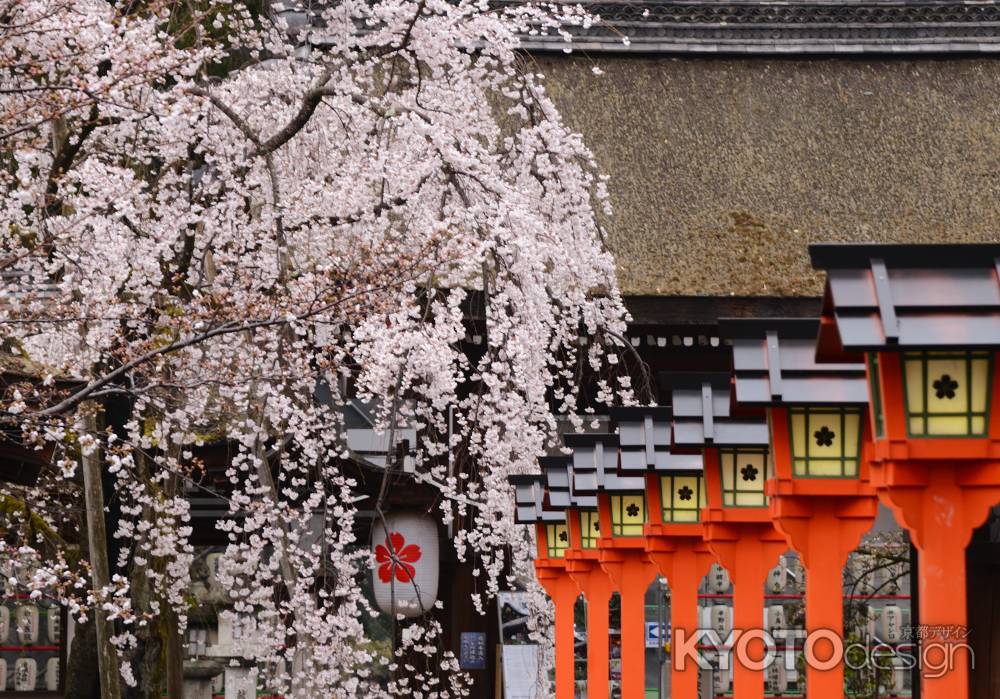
722	170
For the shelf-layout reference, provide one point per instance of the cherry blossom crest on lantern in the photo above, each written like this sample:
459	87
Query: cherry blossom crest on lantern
396	557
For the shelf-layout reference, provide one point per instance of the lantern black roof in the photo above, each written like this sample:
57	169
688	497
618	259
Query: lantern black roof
884	297
558	472
704	415
829	256
775	363
645	435
595	465
529	500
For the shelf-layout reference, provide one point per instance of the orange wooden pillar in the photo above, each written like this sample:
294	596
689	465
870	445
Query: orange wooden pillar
940	507
684	561
680	555
584	567
748	551
563	591
631	572
823	530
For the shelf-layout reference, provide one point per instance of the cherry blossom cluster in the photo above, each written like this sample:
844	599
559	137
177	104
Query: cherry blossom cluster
227	222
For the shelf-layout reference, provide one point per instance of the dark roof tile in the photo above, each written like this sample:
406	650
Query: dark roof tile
798	26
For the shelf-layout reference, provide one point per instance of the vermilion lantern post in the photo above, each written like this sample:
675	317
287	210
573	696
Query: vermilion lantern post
675	494
621	546
584	566
820	498
736	520
550	566
927	318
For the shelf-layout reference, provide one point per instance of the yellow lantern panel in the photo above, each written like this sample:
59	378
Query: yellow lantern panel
826	442
947	393
590	528
628	514
743	475
682	497
557	540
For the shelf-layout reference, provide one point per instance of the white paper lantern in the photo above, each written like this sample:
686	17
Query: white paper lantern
3	675
705	618
774	618
723	676
4	624
722	620
26	620
777	579
718	578
52	674
406	563
892	624
25	674
53	625
777	676
706	682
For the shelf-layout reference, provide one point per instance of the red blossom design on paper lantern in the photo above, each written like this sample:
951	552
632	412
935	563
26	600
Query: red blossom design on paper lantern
396	555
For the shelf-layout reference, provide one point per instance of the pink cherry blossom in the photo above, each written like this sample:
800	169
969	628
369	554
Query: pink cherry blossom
221	226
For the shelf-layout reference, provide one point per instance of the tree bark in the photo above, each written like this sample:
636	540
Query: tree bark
97	540
175	656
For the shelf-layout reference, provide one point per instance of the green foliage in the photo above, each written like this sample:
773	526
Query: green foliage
15	512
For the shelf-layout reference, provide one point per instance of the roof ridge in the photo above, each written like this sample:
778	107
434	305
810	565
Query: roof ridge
783	26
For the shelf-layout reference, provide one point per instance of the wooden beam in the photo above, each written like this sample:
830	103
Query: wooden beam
704	311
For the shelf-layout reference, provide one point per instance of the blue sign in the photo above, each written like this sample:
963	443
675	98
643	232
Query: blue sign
656	635
472	654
